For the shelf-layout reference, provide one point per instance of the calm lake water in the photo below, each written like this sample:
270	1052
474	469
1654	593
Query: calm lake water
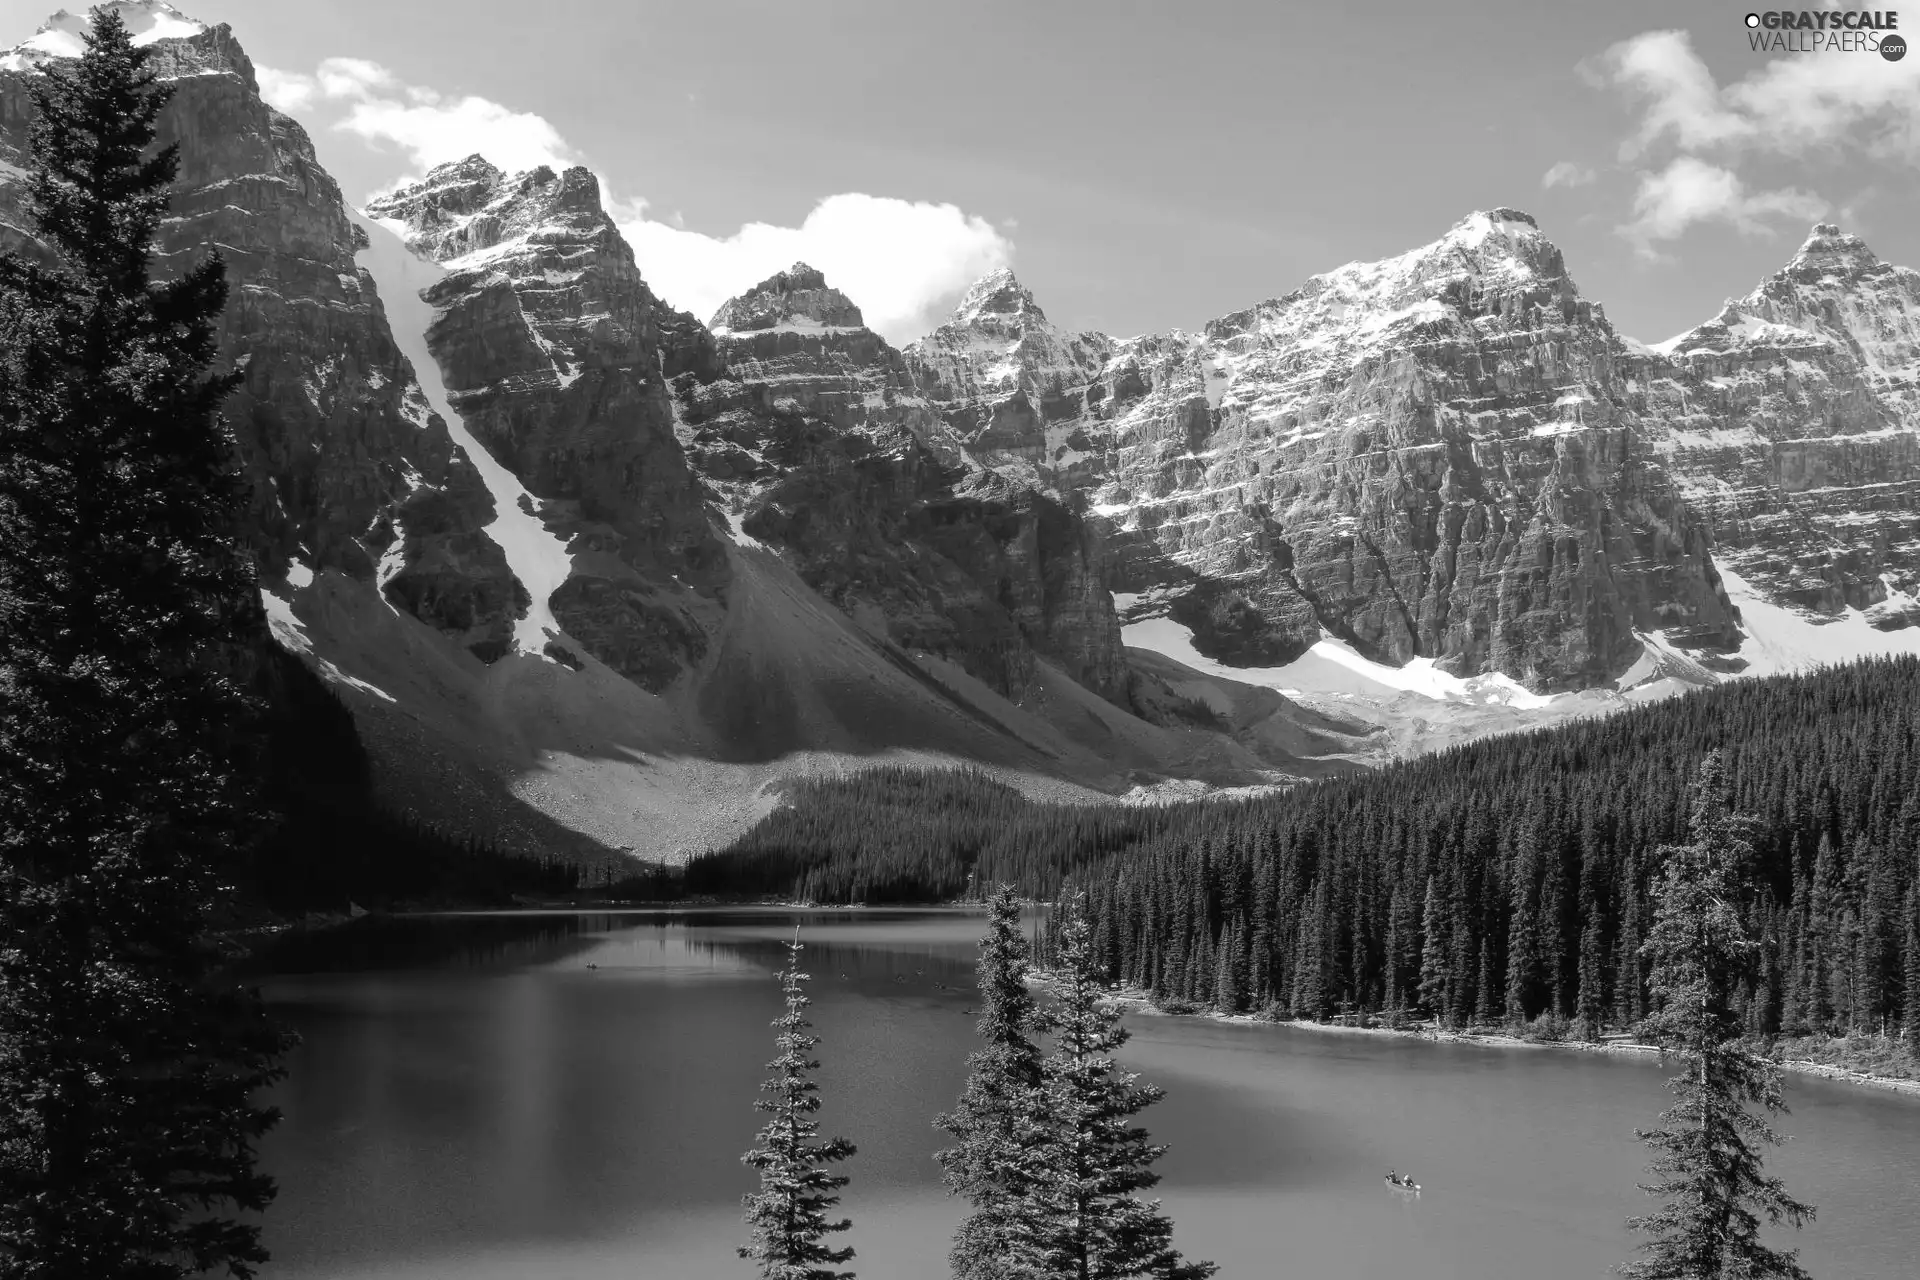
472	1102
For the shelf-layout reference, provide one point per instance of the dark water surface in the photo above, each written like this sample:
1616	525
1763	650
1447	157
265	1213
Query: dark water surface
471	1102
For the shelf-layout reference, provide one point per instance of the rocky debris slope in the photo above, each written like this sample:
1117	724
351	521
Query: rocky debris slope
1436	456
1792	423
820	446
349	469
552	349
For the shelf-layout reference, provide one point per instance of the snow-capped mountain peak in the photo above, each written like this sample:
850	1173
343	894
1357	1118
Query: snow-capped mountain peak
64	34
999	343
1485	263
798	298
1829	251
998	297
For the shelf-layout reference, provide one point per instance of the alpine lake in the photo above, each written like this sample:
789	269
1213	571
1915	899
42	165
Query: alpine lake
566	1095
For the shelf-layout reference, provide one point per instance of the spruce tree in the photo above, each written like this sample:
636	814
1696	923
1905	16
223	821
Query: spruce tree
1522	959
1078	1216
1711	1178
1628	972
788	1214
996	1121
1823	915
1590	1011
1911	1023
128	1064
1485	1001
1433	957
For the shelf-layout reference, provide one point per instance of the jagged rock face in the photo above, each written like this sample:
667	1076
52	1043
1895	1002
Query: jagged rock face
348	468
553	351
797	298
1794	429
1014	386
1435	455
816	436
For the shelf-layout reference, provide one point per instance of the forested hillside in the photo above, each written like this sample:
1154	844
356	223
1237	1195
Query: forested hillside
1502	881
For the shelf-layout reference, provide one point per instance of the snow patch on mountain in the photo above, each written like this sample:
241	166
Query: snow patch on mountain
1780	640
539	559
1334	667
291	634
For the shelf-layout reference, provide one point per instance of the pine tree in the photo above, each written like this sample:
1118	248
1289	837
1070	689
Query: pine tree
1230	970
1485	998
996	1120
1712	1182
1911	1023
1592	999
1628	972
1522	960
1823	927
128	1064
1433	957
1078	1216
788	1214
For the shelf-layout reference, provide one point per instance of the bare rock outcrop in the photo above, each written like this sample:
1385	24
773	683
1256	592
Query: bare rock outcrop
1438	455
348	467
1793	426
553	351
819	442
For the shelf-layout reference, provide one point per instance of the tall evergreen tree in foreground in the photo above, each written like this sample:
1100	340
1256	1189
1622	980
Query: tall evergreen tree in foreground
788	1214
995	1126
126	1065
1700	951
1077	1214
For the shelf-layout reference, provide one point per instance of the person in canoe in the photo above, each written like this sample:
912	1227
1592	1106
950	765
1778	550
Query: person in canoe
1407	1182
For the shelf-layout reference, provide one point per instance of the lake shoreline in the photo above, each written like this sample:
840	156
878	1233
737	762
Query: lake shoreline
1136	1001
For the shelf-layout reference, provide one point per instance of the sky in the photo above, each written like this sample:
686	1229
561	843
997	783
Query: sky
1140	166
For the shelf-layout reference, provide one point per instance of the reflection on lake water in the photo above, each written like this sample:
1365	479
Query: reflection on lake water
472	1101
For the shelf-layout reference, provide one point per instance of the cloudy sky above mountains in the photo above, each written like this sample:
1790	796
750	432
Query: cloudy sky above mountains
1140	165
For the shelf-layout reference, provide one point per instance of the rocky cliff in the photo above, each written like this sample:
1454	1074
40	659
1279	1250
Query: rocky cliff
1011	384
1792	423
592	571
337	440
822	446
551	347
1434	456
593	576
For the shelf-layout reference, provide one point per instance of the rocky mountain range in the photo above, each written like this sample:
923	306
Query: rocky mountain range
595	575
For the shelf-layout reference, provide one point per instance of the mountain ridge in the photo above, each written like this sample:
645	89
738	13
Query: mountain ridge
584	564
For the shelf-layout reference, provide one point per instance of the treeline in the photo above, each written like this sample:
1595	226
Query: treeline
1507	881
332	845
897	835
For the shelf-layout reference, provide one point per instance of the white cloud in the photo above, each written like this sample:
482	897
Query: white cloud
427	127
899	260
352	77
1676	90
1799	104
289	91
1567	174
1789	106
1691	191
1830	105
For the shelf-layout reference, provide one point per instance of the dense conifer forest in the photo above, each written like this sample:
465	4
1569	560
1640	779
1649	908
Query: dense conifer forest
1506	881
333	844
